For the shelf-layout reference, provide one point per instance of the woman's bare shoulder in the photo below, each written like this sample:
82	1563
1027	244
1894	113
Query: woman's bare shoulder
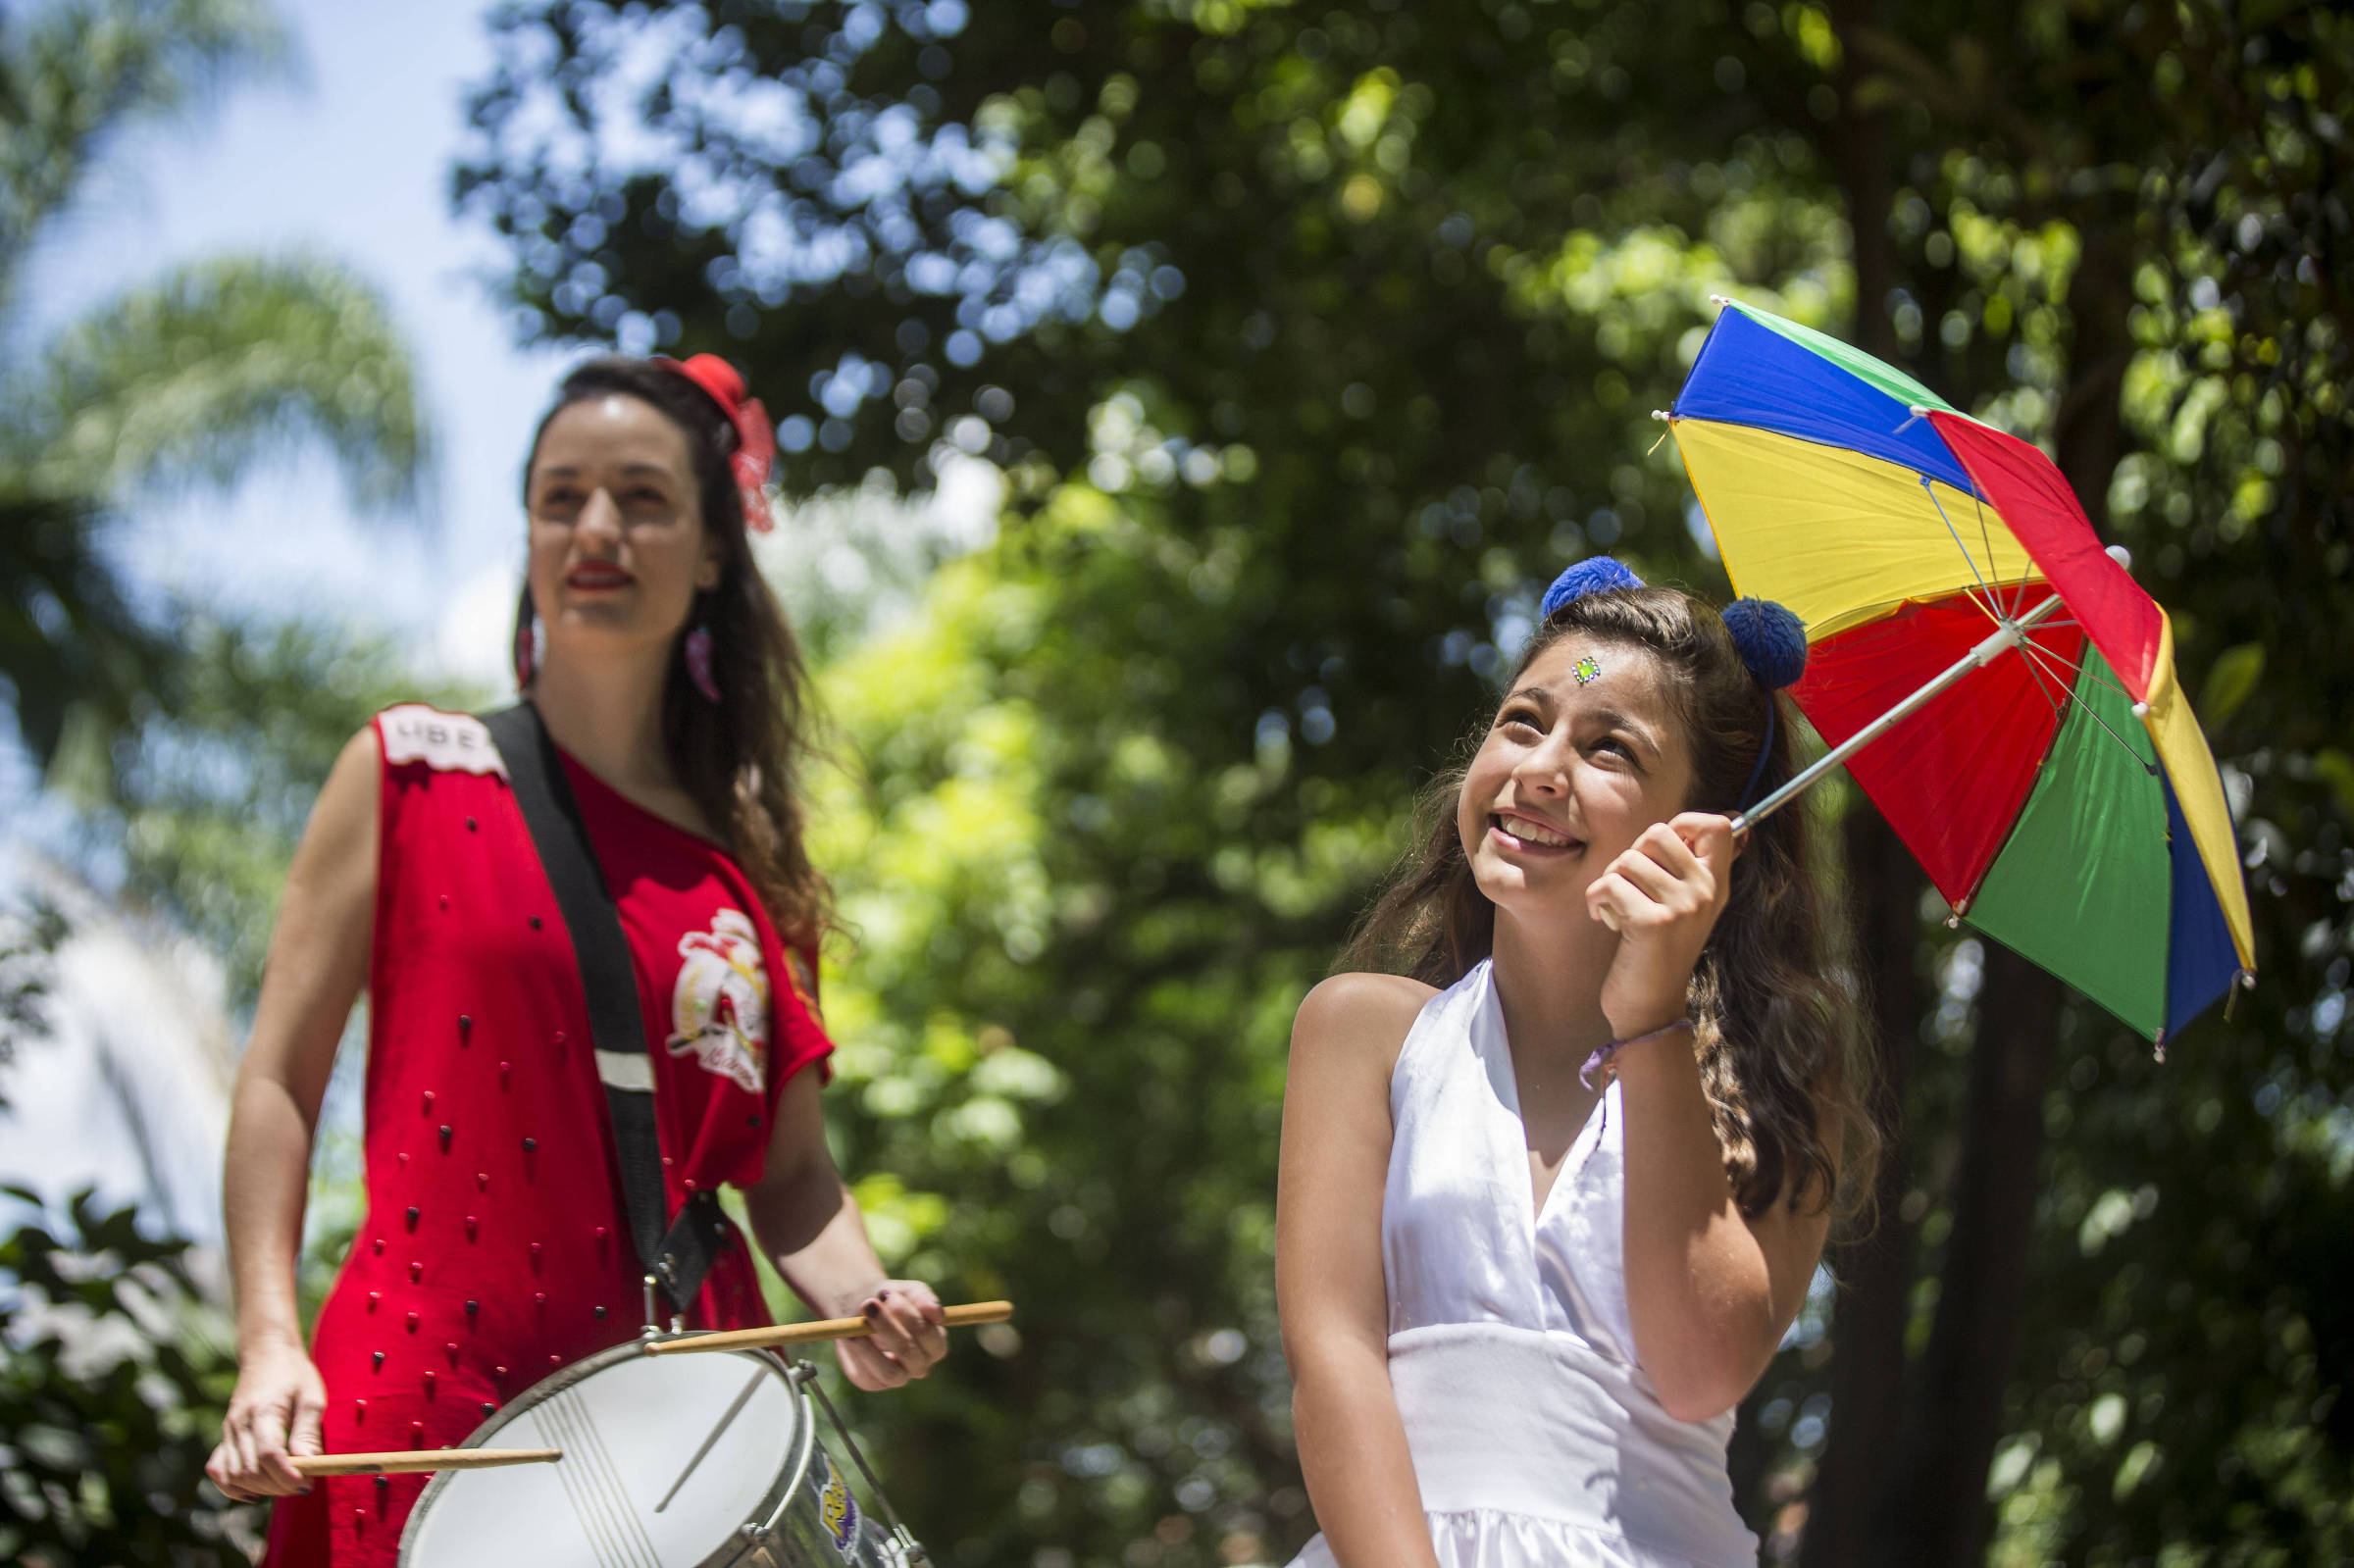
349	791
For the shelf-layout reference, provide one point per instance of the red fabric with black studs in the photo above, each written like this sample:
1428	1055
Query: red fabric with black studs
493	1247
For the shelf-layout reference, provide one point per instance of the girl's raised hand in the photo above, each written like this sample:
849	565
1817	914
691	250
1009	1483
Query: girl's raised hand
1663	898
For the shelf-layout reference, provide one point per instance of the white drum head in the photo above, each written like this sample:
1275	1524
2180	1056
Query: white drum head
630	1431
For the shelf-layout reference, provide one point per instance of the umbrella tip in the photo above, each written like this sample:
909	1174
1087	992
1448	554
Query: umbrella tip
1719	299
1662	415
2141	710
2120	555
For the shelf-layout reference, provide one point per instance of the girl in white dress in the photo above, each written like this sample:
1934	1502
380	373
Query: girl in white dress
1550	1196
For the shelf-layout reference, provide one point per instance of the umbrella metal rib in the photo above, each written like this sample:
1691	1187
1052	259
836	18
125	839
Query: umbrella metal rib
2061	667
2041	661
2008	635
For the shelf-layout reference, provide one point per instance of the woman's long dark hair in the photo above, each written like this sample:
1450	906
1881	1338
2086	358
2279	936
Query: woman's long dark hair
1781	1031
742	758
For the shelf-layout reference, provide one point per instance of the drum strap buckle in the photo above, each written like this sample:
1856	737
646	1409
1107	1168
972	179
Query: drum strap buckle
911	1551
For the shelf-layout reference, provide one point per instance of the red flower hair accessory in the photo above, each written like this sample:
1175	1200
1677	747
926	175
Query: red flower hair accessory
756	438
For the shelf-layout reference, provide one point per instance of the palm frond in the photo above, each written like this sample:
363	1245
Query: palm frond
68	639
226	361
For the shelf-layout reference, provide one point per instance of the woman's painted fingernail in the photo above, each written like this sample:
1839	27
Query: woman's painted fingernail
883	1296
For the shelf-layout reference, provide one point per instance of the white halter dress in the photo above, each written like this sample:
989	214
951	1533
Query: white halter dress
1537	1440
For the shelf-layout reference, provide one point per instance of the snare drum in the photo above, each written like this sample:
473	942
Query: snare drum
691	1461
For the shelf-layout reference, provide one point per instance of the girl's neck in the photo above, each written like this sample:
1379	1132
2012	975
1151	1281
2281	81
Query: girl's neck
1548	983
607	714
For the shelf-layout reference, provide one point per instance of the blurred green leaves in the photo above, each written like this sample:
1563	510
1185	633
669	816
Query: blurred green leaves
2230	681
220	363
112	1375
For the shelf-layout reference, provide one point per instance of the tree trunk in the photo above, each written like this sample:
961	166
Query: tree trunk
1875	1275
1866	168
1942	1518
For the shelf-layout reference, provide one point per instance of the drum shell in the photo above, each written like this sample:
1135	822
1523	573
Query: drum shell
788	1528
798	1535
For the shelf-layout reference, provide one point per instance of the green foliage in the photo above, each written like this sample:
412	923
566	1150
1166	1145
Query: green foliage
1046	927
1312	345
113	1376
205	799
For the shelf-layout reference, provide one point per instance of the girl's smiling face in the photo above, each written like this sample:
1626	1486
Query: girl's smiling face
1570	773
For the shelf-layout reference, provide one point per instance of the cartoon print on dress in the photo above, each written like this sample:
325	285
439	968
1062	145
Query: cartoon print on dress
719	1007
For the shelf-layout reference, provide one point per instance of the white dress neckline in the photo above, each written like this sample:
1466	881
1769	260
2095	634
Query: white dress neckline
1573	1159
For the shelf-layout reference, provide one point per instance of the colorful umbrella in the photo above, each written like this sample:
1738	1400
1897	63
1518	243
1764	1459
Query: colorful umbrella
2002	689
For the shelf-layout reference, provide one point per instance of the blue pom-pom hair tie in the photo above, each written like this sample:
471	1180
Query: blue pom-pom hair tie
1595	574
1773	642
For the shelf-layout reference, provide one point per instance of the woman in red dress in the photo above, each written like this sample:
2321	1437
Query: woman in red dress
494	1245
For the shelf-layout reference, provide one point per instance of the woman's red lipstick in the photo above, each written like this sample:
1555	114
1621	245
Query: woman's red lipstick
593	576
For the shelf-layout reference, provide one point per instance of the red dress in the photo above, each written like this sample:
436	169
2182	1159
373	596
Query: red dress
493	1248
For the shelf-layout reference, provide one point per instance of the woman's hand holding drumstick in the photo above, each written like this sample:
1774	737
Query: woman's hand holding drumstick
857	1328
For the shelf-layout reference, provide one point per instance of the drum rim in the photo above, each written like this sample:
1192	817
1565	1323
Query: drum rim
773	1504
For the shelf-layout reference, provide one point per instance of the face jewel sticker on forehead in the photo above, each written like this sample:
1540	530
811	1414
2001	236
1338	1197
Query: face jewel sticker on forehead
1586	669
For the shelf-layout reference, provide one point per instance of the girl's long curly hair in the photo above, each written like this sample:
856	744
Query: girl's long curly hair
1780	1022
744	757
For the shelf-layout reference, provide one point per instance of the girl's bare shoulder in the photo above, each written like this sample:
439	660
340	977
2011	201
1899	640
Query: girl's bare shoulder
1360	1018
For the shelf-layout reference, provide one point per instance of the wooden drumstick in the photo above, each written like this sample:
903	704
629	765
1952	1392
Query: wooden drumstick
416	1461
956	1317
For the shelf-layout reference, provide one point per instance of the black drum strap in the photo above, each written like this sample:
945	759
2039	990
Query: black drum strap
679	1253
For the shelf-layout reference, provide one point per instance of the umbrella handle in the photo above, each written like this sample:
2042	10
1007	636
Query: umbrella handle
2006	635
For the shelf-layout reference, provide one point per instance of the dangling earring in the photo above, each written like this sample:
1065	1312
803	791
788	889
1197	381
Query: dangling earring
527	645
698	663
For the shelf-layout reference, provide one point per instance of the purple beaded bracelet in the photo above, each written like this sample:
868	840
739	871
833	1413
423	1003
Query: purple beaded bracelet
1590	1074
